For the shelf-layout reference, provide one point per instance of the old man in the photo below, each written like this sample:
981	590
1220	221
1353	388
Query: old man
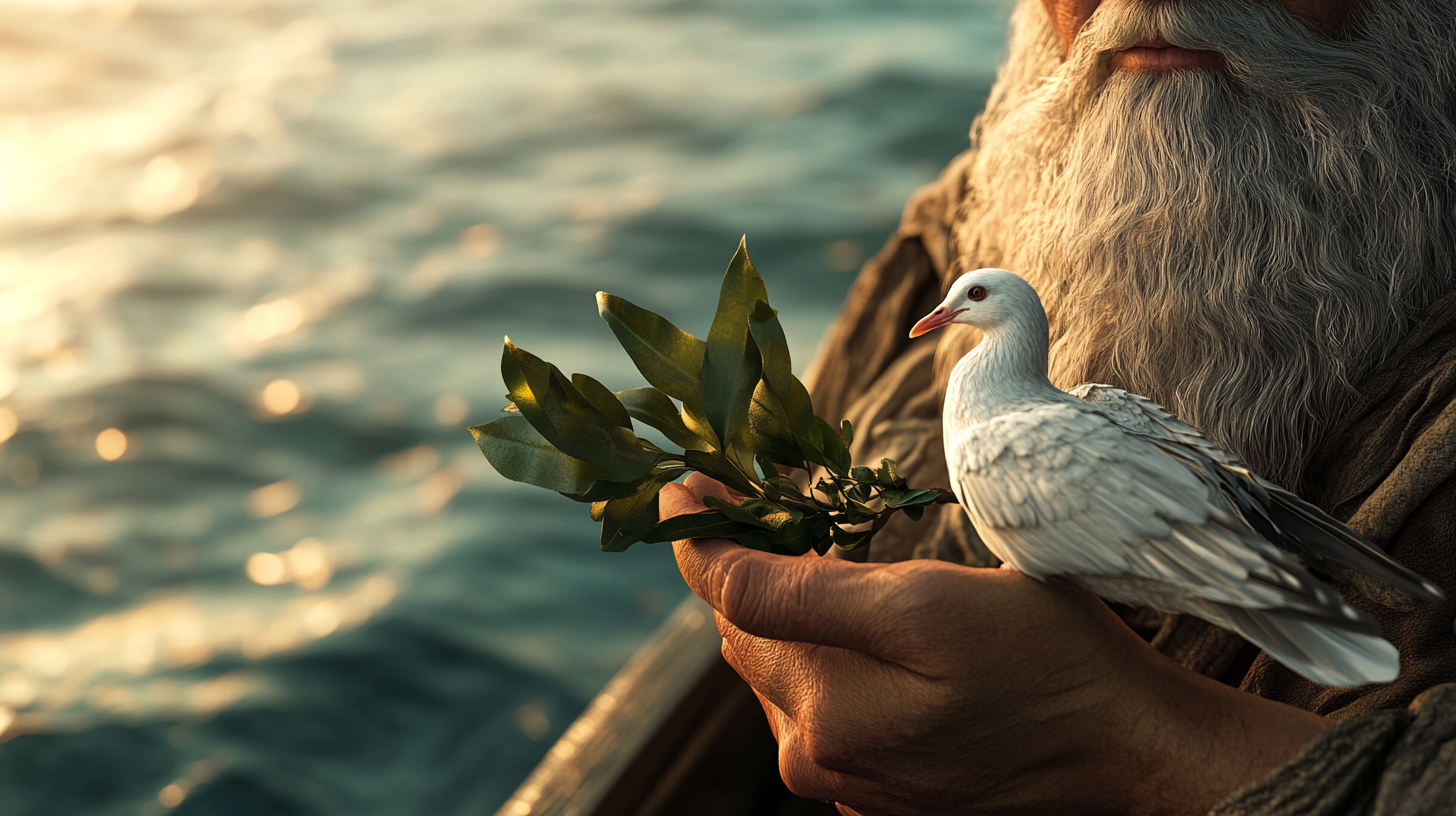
1246	210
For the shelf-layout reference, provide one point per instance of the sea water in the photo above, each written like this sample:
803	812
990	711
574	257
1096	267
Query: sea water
256	263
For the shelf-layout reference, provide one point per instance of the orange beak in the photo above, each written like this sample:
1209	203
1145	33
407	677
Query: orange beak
940	317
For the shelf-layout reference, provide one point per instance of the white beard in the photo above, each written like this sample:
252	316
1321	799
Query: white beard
1241	247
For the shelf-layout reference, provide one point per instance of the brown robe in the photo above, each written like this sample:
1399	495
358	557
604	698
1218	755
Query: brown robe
1386	469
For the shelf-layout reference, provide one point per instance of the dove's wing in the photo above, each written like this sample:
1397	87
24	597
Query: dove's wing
1061	490
1280	516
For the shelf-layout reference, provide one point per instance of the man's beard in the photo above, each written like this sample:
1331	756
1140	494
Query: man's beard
1243	247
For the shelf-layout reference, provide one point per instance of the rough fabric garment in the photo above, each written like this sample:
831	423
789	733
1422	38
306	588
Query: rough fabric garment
1386	469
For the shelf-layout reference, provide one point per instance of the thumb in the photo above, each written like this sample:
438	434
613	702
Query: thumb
802	599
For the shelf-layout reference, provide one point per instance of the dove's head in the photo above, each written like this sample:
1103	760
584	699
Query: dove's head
987	299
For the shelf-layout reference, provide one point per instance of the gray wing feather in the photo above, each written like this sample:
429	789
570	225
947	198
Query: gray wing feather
1280	516
1066	492
1061	490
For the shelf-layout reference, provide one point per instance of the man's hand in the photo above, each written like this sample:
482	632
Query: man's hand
924	688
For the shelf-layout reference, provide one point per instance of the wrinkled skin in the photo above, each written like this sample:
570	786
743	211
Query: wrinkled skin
925	687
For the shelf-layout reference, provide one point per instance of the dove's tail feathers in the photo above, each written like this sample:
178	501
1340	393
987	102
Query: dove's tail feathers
1341	548
1331	653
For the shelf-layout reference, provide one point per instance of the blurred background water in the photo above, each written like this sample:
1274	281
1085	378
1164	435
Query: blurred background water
256	260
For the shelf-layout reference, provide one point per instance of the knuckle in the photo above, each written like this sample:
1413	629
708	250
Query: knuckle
753	596
838	737
799	772
916	722
738	597
825	751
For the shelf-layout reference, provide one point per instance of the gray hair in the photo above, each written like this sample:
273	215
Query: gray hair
1243	247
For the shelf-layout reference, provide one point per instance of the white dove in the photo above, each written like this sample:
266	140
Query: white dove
1107	490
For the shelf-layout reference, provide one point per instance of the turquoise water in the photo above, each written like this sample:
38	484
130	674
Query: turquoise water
256	261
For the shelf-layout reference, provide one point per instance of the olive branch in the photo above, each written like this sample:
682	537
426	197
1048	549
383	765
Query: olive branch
731	403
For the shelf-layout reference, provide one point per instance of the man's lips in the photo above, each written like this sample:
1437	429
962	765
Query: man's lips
1159	55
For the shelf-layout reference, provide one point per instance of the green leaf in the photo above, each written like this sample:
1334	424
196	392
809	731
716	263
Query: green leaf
717	466
830	489
848	540
601	491
861	473
759	512
788	491
887	475
520	453
670	358
602	399
697	525
693	418
589	434
766	467
630	519
797	406
914	513
822	445
741	453
910	497
857	513
657	410
561	414
773	347
732	364
846	432
793	538
811	444
790	398
755	540
767	431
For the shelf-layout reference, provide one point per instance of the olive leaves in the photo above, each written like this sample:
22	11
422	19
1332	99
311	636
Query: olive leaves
731	403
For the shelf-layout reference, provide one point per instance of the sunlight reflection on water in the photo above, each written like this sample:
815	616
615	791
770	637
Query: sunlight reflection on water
255	263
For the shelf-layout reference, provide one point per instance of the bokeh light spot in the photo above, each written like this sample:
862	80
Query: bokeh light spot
267	569
9	424
111	444
308	564
266	321
172	795
274	499
322	619
281	397
166	187
480	241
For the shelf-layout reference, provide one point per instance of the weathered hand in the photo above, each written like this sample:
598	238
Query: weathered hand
925	688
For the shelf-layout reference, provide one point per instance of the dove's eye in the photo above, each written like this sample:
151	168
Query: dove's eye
978	292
